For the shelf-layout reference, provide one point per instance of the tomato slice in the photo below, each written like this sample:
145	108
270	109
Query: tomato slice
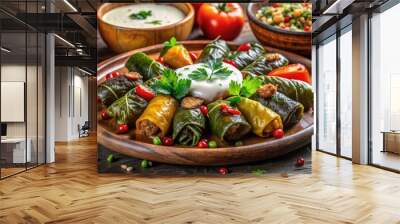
292	71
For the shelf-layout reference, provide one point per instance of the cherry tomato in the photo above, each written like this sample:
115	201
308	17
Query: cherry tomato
292	71
204	110
160	59
278	133
104	115
233	111
300	161
221	19
231	62
122	128
144	92
287	19
223	170
167	141
307	28
203	143
244	47
112	75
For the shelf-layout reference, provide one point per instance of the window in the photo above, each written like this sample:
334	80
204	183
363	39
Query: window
346	93
326	95
385	89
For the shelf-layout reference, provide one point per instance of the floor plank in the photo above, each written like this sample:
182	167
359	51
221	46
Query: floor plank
71	191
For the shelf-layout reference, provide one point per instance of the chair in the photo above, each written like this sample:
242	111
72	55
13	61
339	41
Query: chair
84	130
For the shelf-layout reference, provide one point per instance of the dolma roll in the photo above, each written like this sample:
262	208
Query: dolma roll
262	119
175	55
146	66
216	50
244	58
294	89
113	89
264	64
224	125
289	110
127	109
157	117
188	126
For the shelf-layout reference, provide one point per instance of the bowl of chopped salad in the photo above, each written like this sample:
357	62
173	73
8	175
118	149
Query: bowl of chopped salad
282	25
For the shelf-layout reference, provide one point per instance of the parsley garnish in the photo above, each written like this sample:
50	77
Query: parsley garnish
259	172
167	45
246	89
154	22
169	84
141	15
218	71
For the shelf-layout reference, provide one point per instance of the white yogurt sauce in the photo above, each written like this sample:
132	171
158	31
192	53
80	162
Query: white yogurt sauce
162	14
206	89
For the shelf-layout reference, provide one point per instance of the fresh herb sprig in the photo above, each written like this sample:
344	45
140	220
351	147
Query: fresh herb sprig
170	84
246	89
217	71
168	45
154	22
141	15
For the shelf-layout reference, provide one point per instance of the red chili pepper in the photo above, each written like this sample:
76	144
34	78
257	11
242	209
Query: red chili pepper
223	170
292	71
224	108
193	56
160	59
167	141
278	133
204	110
203	143
300	161
104	115
233	111
112	75
244	47
231	62
144	92
122	128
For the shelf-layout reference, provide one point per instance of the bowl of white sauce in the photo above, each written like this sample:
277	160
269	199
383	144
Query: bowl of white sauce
128	26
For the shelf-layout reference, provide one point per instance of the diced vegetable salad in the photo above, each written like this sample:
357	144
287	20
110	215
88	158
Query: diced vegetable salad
288	16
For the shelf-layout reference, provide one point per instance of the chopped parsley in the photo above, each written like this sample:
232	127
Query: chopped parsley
168	45
141	15
170	84
154	22
218	71
246	89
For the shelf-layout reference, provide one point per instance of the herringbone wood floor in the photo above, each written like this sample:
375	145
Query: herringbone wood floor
71	191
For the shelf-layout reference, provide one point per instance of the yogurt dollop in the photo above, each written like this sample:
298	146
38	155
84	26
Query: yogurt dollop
209	90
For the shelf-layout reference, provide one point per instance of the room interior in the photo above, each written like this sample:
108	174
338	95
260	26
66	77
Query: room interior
49	69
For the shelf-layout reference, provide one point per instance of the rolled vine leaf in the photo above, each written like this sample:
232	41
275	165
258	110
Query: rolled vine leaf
145	66
216	50
264	64
114	88
188	126
244	58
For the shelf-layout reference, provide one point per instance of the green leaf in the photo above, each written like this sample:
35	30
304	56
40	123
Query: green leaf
169	84
234	88
221	73
141	15
234	99
259	172
199	74
168	45
250	86
154	22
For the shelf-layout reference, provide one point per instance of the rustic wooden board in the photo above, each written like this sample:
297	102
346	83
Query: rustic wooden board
254	149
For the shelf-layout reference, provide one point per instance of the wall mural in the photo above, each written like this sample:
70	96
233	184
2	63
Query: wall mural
204	89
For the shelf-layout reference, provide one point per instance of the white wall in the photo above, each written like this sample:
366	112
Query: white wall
71	102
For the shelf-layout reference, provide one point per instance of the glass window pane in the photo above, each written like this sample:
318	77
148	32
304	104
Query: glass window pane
385	84
346	94
327	96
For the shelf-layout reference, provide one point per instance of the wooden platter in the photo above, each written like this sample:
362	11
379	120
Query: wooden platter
254	148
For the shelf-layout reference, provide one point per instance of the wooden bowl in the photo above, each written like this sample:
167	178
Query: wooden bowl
254	148
122	39
298	42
